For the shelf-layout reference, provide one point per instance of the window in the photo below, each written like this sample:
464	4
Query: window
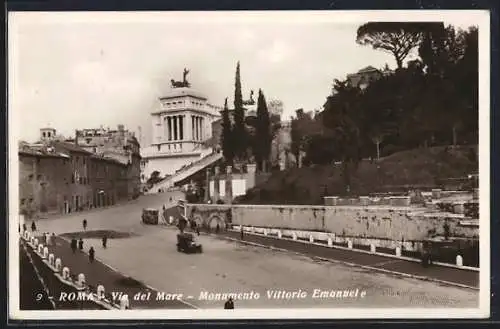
30	177
23	200
38	177
48	134
73	179
159	147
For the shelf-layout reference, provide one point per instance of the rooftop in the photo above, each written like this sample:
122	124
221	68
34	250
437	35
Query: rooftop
184	91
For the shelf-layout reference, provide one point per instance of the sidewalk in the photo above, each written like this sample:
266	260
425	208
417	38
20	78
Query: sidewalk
447	274
97	273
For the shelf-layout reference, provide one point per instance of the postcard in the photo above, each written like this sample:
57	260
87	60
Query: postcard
249	165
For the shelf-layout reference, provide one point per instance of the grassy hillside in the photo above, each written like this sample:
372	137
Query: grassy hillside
417	168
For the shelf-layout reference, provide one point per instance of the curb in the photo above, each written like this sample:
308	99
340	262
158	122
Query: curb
410	259
367	267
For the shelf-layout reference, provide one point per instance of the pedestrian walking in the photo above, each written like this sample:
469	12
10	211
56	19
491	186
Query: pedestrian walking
33	226
217	228
241	232
104	241
24	227
80	244
229	305
84	224
91	254
198	230
73	245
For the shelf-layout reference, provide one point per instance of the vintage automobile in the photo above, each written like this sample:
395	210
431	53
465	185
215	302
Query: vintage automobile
186	243
150	216
438	249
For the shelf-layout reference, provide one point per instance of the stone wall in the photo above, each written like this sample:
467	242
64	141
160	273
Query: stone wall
378	222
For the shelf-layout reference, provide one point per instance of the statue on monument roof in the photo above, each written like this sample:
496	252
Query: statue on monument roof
183	83
250	101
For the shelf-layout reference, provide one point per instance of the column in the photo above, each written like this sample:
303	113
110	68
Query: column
169	128
175	127
229	185
181	127
192	128
216	185
186	128
165	128
201	128
196	127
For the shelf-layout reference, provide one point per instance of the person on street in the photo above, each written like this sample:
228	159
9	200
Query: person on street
33	226
104	241
24	227
80	244
229	305
217	228
84	224
73	245
241	232
91	254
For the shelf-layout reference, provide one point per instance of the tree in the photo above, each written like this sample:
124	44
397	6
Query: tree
342	117
263	135
240	141
227	139
397	38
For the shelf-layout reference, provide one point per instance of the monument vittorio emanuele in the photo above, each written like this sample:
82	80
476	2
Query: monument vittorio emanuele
181	123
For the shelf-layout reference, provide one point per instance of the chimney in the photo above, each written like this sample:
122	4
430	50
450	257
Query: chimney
77	133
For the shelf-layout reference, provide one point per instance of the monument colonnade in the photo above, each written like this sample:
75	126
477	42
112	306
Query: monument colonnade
178	127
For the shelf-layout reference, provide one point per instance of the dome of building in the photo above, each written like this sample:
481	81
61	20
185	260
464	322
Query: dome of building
184	91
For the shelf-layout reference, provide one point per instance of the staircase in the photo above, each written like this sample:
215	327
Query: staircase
186	172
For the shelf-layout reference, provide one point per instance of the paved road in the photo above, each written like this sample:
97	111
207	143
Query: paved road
151	257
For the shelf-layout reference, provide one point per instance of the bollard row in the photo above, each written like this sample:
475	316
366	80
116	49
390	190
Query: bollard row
56	264
330	242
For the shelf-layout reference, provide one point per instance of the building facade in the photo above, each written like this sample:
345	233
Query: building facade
120	145
363	77
61	177
181	124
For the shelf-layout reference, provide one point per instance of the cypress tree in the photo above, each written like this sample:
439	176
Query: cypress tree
227	142
263	132
239	132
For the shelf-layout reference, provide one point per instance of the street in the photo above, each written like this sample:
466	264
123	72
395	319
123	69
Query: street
280	279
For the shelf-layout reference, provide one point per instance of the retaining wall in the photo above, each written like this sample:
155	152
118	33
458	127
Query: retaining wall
378	222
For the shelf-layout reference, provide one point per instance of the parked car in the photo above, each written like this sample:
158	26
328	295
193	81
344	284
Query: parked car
150	216
186	243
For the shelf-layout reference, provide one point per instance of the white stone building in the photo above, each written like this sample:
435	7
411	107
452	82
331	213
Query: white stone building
180	125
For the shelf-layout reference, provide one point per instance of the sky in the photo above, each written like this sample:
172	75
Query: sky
85	70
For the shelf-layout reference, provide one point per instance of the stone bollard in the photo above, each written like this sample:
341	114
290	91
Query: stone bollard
100	292
51	259
460	260
475	193
364	200
373	248
26	235
330	242
349	244
58	264
81	279
170	219
65	273
398	251
311	238
32	240
294	236
45	253
279	234
436	193
124	304
35	242
40	248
